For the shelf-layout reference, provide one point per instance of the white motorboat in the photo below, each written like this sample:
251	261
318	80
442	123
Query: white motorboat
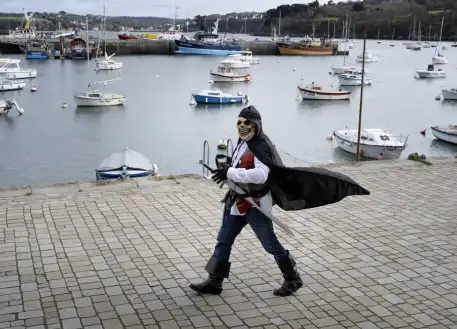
316	92
246	56
446	133
346	68
7	105
430	72
8	84
228	71
235	63
369	58
11	69
415	47
96	98
107	63
449	94
374	143
125	164
353	79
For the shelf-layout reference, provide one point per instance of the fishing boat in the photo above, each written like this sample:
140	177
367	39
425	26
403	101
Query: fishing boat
430	72
126	36
37	50
125	164
7	105
316	92
215	96
229	72
12	70
94	97
353	79
445	133
79	49
374	143
235	63
8	84
246	56
449	94
307	49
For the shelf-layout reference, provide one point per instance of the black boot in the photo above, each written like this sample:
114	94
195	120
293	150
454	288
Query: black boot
292	281
218	270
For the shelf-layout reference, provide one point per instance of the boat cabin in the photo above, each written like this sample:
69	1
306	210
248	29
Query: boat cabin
8	66
430	67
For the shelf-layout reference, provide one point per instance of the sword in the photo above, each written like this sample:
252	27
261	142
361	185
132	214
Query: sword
238	190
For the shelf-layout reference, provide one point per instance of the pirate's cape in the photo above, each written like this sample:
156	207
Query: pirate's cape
296	188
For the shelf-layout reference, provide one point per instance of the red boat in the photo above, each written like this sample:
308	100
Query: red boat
125	36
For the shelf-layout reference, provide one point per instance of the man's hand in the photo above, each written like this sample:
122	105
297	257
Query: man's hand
220	175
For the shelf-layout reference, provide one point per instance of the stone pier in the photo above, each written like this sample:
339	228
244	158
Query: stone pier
122	254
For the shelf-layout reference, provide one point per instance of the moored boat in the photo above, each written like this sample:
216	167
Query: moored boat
215	96
290	49
445	133
449	94
246	56
374	143
316	92
12	70
125	164
353	79
431	72
229	72
8	84
78	49
369	58
126	36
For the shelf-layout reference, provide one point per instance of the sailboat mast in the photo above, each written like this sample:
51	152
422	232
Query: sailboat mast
87	46
103	20
361	95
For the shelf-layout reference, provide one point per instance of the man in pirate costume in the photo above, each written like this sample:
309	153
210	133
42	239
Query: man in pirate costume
257	168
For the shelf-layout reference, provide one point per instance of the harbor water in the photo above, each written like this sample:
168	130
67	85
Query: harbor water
50	143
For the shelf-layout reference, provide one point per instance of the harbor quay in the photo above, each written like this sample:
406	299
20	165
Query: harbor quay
122	255
159	47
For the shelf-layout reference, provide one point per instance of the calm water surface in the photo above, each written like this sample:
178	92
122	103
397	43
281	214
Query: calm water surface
53	144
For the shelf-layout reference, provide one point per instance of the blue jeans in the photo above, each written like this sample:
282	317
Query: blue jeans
260	224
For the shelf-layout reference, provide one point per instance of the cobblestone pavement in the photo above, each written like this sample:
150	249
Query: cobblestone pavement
122	256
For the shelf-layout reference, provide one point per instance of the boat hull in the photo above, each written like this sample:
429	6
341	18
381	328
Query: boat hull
201	48
370	151
353	82
296	50
202	99
344	69
450	138
224	78
14	86
430	74
449	95
22	75
126	37
36	55
439	60
309	94
109	66
116	174
91	102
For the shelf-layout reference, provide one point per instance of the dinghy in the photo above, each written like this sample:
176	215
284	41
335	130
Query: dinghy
124	164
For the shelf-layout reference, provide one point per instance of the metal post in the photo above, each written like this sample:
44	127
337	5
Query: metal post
229	143
361	95
205	158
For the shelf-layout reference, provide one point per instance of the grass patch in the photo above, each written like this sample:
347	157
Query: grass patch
171	177
419	158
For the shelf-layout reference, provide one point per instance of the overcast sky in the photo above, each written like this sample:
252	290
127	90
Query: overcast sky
162	8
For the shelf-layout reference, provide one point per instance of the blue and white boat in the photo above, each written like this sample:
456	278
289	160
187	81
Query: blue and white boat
37	50
215	96
204	43
125	164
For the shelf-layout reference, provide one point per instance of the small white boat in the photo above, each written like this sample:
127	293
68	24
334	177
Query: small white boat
430	72
12	70
228	71
215	96
124	164
346	68
96	98
6	85
315	92
246	56
439	59
235	63
415	47
369	58
353	79
107	63
392	44
7	105
426	45
446	133
222	144
449	94
374	143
